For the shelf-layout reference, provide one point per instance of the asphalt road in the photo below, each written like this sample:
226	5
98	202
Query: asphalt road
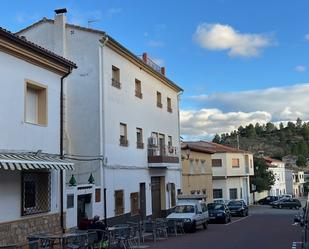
264	228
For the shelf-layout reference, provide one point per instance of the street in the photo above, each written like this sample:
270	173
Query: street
264	228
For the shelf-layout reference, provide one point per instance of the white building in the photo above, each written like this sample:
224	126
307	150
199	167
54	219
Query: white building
298	182
231	169
30	183
277	167
117	103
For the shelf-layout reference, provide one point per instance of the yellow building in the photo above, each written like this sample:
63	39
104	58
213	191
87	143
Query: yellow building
196	170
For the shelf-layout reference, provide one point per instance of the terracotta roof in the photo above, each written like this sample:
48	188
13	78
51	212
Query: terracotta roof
100	32
271	160
196	148
216	148
24	42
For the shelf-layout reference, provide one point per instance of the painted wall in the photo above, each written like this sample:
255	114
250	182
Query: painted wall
279	187
199	180
19	135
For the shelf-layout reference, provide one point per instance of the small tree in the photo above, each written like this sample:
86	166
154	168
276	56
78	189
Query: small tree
216	139
262	179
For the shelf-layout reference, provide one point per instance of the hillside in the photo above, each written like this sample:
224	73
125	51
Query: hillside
292	139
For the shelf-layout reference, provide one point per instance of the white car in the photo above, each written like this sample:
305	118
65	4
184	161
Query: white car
193	213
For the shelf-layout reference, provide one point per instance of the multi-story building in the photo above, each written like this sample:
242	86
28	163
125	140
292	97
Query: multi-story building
277	167
231	169
298	182
122	124
31	171
196	170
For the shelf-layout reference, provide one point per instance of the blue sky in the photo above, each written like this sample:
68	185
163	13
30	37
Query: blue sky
238	61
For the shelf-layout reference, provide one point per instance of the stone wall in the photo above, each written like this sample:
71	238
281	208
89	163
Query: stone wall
17	231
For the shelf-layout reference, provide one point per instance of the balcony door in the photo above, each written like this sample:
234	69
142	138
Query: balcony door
161	144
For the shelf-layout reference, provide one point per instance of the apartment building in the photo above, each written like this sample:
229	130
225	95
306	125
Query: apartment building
196	170
277	167
121	123
31	171
298	182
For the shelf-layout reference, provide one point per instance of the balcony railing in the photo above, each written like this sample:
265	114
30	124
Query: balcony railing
162	154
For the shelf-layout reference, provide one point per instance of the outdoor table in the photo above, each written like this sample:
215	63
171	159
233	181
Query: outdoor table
63	237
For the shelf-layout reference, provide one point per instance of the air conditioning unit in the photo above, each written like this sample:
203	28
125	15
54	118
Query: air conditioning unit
152	141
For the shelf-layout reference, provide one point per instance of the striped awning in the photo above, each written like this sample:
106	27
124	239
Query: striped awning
32	162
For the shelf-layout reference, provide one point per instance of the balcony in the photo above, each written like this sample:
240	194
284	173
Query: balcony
159	156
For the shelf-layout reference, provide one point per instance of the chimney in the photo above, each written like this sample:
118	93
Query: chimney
59	31
145	57
163	70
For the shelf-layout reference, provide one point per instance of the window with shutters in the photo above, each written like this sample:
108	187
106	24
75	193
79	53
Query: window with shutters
203	166
233	193
216	162
35	192
123	140
139	138
35	103
134	203
217	193
138	89
119	202
173	194
169	105
116	77
191	167
159	100
235	162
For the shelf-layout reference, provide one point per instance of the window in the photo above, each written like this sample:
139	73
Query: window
134	203
191	169
233	193
197	163
138	89
235	162
203	166
97	195
251	163
216	162
116	77
159	100
35	192
70	201
204	207
119	202
169	141
123	135
217	193
169	105
139	138
36	103
173	194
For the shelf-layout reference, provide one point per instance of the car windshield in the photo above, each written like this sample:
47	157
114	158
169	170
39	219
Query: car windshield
235	203
215	206
184	209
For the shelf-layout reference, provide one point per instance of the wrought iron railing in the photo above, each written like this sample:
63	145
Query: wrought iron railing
171	151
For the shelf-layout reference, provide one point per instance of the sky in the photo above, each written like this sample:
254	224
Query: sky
238	61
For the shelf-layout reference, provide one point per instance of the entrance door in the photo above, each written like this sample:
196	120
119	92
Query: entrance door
142	200
156	197
83	207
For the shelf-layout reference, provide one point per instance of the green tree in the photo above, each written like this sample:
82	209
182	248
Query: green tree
270	127
258	129
299	123
303	148
262	179
216	139
250	131
281	126
305	132
301	161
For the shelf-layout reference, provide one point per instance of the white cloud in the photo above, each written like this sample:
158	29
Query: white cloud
307	37
156	43
200	124
300	68
224	37
226	111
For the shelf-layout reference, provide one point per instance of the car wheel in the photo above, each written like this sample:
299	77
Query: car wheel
225	220
280	206
205	225
243	214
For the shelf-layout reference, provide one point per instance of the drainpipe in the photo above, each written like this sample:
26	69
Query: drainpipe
61	147
179	142
102	122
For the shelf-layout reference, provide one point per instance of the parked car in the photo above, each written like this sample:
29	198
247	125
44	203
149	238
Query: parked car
192	212
286	196
267	200
303	221
286	203
219	212
238	208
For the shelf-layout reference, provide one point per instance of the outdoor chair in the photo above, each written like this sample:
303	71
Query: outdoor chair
149	230
122	235
77	242
161	227
98	238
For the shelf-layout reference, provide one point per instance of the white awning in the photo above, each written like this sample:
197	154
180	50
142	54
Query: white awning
32	162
